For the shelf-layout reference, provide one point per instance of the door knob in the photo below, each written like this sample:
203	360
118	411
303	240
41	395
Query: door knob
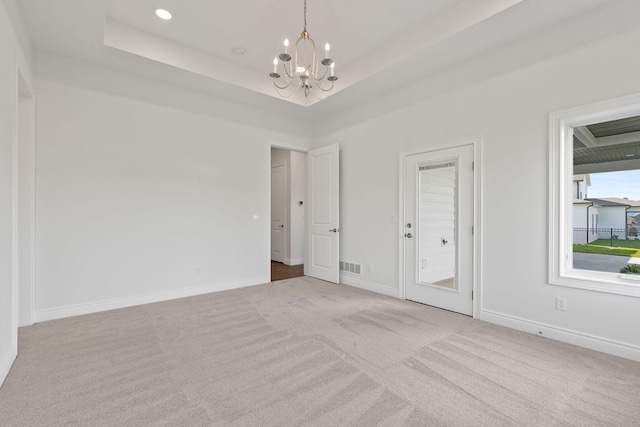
282	225
335	230
408	236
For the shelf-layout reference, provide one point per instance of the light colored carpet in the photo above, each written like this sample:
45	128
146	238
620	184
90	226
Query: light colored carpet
305	352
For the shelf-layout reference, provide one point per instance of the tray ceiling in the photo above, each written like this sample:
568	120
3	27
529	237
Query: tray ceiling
376	45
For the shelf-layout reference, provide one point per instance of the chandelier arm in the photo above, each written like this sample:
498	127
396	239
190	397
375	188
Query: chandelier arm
318	80
327	89
282	87
284	95
287	70
295	49
294	62
288	78
314	60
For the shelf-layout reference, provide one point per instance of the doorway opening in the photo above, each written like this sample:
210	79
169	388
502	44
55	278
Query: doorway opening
288	170
280	271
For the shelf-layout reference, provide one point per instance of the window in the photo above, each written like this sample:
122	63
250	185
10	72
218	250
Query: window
588	144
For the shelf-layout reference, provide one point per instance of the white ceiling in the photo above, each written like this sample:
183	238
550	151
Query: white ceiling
377	45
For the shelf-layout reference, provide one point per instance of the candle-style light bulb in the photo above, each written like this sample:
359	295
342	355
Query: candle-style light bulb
327	48
275	65
333	64
286	45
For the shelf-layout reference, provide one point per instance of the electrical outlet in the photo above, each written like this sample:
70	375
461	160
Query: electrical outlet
561	303
198	271
370	268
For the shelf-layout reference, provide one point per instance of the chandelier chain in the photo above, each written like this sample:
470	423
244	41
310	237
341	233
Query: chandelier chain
305	16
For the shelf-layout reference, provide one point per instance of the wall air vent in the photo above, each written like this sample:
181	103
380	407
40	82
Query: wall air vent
350	267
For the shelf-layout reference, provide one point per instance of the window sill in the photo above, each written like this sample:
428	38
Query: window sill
597	281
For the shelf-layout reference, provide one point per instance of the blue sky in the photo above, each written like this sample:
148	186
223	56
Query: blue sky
615	184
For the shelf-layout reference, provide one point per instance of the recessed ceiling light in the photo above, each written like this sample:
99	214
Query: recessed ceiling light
163	14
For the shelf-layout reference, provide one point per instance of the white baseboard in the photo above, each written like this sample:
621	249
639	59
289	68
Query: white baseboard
95	307
604	345
6	362
293	261
368	286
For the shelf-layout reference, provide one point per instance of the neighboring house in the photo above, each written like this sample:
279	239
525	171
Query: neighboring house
585	220
580	184
586	214
601	218
609	216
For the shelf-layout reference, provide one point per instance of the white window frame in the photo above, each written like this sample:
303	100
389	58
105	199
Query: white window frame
561	124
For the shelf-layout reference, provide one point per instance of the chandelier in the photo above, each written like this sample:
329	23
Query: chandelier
301	67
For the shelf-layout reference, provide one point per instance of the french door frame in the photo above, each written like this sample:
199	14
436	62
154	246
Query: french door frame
476	142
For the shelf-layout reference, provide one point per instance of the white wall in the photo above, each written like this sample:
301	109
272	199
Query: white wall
13	57
579	220
580	215
612	217
141	200
26	204
510	110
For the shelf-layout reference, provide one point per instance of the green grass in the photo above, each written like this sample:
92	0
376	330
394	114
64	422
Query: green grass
630	248
617	243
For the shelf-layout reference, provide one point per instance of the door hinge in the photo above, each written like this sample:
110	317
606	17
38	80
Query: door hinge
472	230
473	166
471	295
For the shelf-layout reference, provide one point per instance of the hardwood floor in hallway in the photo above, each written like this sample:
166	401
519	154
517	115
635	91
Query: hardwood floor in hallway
280	271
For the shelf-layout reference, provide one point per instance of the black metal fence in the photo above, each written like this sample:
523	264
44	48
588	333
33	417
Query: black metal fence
588	235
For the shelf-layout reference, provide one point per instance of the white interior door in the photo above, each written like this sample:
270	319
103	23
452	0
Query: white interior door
438	243
322	214
278	212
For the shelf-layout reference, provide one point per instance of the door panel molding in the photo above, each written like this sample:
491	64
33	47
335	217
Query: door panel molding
322	217
476	142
